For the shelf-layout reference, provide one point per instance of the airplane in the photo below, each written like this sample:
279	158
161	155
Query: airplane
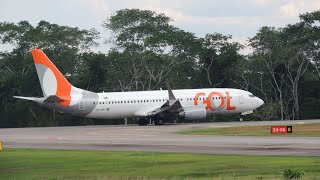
155	105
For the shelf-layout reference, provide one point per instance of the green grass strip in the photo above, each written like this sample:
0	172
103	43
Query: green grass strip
67	164
312	129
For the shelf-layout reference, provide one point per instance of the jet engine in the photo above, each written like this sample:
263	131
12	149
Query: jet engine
193	113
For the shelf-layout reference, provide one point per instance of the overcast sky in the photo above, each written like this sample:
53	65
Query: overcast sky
239	18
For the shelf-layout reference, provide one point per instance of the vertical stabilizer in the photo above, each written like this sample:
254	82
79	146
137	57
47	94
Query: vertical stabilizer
51	80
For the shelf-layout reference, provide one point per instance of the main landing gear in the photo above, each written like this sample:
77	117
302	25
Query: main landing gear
143	122
157	121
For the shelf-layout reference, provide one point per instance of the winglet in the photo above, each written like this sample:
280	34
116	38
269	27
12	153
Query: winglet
172	98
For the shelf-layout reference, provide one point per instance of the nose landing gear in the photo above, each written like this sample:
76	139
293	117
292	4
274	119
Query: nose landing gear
245	113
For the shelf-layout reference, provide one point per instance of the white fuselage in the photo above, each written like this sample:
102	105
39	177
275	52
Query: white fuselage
136	103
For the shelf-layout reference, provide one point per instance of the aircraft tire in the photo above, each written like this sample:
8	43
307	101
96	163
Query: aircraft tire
161	122
158	122
143	122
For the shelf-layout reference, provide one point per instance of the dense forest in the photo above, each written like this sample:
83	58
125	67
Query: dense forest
148	51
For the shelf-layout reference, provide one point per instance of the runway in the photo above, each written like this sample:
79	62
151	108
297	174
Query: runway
160	139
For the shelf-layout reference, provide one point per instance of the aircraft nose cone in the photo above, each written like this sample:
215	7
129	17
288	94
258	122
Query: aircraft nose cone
260	102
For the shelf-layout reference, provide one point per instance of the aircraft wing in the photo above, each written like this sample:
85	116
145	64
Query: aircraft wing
145	112
173	105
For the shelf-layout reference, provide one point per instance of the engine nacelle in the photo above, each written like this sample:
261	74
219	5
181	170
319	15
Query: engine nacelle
193	113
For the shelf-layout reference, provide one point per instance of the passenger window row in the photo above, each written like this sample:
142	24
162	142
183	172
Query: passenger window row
154	100
131	101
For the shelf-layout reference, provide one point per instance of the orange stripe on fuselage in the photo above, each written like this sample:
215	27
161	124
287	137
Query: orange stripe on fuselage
63	86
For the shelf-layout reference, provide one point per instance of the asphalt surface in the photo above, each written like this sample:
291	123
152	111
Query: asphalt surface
160	139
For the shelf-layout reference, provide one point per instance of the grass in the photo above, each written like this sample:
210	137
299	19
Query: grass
67	164
311	129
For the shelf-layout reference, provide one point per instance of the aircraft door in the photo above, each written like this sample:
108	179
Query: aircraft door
81	105
241	98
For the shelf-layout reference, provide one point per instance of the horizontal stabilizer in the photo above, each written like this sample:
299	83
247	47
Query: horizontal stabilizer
27	98
54	99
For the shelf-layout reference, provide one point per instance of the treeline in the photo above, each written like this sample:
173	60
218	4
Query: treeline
148	51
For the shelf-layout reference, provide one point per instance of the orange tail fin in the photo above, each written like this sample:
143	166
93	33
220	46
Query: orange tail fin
51	80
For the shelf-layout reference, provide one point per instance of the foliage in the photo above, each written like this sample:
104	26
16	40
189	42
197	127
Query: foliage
148	52
46	36
287	55
18	76
218	59
289	174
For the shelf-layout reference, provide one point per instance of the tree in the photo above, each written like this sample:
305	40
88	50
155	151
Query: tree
309	29
218	58
288	53
18	77
150	48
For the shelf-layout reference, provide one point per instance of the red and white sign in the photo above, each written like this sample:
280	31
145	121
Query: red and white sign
278	129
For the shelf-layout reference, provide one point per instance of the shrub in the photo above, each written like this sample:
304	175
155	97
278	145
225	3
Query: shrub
292	174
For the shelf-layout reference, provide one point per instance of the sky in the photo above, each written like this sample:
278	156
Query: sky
239	18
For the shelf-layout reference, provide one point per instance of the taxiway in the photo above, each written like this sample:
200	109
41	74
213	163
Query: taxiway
160	139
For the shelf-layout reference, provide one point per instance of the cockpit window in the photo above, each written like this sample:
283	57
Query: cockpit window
251	95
